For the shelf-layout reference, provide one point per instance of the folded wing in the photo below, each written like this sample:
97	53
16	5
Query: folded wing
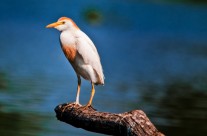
87	50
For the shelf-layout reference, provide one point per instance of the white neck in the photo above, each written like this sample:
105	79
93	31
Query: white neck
67	37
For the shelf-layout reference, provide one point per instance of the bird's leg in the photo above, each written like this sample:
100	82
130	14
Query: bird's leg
77	95
92	95
91	99
78	90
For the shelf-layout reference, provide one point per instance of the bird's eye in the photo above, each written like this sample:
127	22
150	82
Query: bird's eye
63	22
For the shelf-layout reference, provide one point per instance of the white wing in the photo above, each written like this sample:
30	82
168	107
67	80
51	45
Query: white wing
88	51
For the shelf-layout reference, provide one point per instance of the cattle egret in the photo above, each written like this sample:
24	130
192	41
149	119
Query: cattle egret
81	53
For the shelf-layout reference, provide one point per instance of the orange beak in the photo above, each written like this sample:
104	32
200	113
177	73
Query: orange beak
54	25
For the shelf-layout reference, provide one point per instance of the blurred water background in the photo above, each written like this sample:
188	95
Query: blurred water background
154	56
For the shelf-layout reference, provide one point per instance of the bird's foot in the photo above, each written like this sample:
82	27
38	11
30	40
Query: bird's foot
90	107
76	103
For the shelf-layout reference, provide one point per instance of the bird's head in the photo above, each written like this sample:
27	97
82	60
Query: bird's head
63	23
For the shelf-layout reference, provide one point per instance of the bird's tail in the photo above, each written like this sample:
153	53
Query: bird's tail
100	78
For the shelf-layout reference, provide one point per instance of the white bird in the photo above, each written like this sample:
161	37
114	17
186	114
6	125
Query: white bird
81	53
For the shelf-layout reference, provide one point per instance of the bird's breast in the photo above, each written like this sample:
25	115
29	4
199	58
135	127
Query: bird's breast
68	44
70	52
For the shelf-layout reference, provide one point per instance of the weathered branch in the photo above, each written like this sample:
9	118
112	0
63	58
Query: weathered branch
132	123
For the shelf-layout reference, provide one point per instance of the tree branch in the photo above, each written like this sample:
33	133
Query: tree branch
132	123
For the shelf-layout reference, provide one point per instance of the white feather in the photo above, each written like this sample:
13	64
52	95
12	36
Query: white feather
87	62
90	56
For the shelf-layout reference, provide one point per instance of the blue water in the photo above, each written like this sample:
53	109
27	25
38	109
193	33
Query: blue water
153	56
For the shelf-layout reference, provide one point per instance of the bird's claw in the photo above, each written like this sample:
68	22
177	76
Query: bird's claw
90	107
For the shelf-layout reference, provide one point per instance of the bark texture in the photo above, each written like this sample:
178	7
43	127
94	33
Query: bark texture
132	123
